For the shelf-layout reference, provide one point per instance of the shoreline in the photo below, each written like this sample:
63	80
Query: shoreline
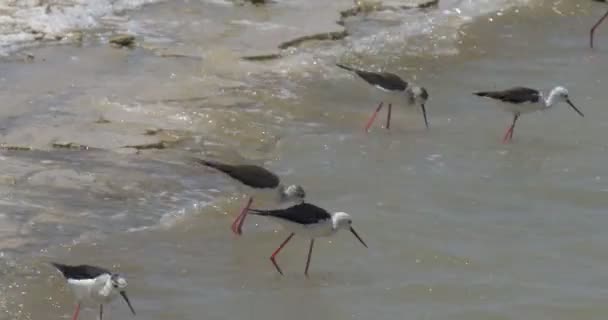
129	125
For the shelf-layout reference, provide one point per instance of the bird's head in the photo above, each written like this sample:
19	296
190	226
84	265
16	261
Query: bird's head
560	94
293	193
119	283
342	220
418	96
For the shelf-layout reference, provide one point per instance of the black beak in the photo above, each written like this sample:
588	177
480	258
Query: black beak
575	108
356	235
426	122
124	296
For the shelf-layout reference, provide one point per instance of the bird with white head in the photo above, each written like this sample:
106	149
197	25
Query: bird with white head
310	221
93	286
519	100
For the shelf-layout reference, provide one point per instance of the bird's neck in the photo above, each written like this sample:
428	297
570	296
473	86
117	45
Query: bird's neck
550	100
281	192
335	224
411	97
106	288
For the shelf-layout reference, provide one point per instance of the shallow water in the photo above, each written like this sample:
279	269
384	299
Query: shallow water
459	225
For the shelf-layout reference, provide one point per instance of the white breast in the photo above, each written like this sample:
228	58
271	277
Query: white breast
317	230
521	107
92	292
82	288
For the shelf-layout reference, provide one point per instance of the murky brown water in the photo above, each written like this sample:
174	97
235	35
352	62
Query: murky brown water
459	225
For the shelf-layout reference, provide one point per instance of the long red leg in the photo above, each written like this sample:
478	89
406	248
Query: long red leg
597	24
312	243
388	116
373	117
274	254
244	215
76	312
237	224
505	138
509	134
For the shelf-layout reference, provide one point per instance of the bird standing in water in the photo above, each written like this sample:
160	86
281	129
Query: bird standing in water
258	179
392	83
520	100
310	221
93	286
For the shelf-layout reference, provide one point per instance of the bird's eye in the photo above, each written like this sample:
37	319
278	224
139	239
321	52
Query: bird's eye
350	222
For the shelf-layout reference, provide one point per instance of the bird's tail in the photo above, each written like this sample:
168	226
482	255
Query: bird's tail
210	163
203	162
345	67
59	266
481	93
259	212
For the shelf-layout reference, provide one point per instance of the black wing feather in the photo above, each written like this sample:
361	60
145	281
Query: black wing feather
82	271
304	213
251	175
514	95
386	80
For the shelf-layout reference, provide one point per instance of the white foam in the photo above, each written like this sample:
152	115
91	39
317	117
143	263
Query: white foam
25	21
442	26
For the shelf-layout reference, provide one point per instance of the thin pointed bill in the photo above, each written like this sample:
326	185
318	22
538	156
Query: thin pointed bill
124	296
575	108
356	235
426	122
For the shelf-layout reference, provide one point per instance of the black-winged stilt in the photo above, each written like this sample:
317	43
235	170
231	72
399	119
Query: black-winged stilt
93	286
597	24
257	178
520	100
390	82
307	220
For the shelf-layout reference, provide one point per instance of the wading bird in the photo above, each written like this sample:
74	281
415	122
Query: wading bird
520	100
392	83
258	179
309	221
93	286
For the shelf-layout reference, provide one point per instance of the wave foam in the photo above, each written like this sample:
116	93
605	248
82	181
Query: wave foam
25	21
